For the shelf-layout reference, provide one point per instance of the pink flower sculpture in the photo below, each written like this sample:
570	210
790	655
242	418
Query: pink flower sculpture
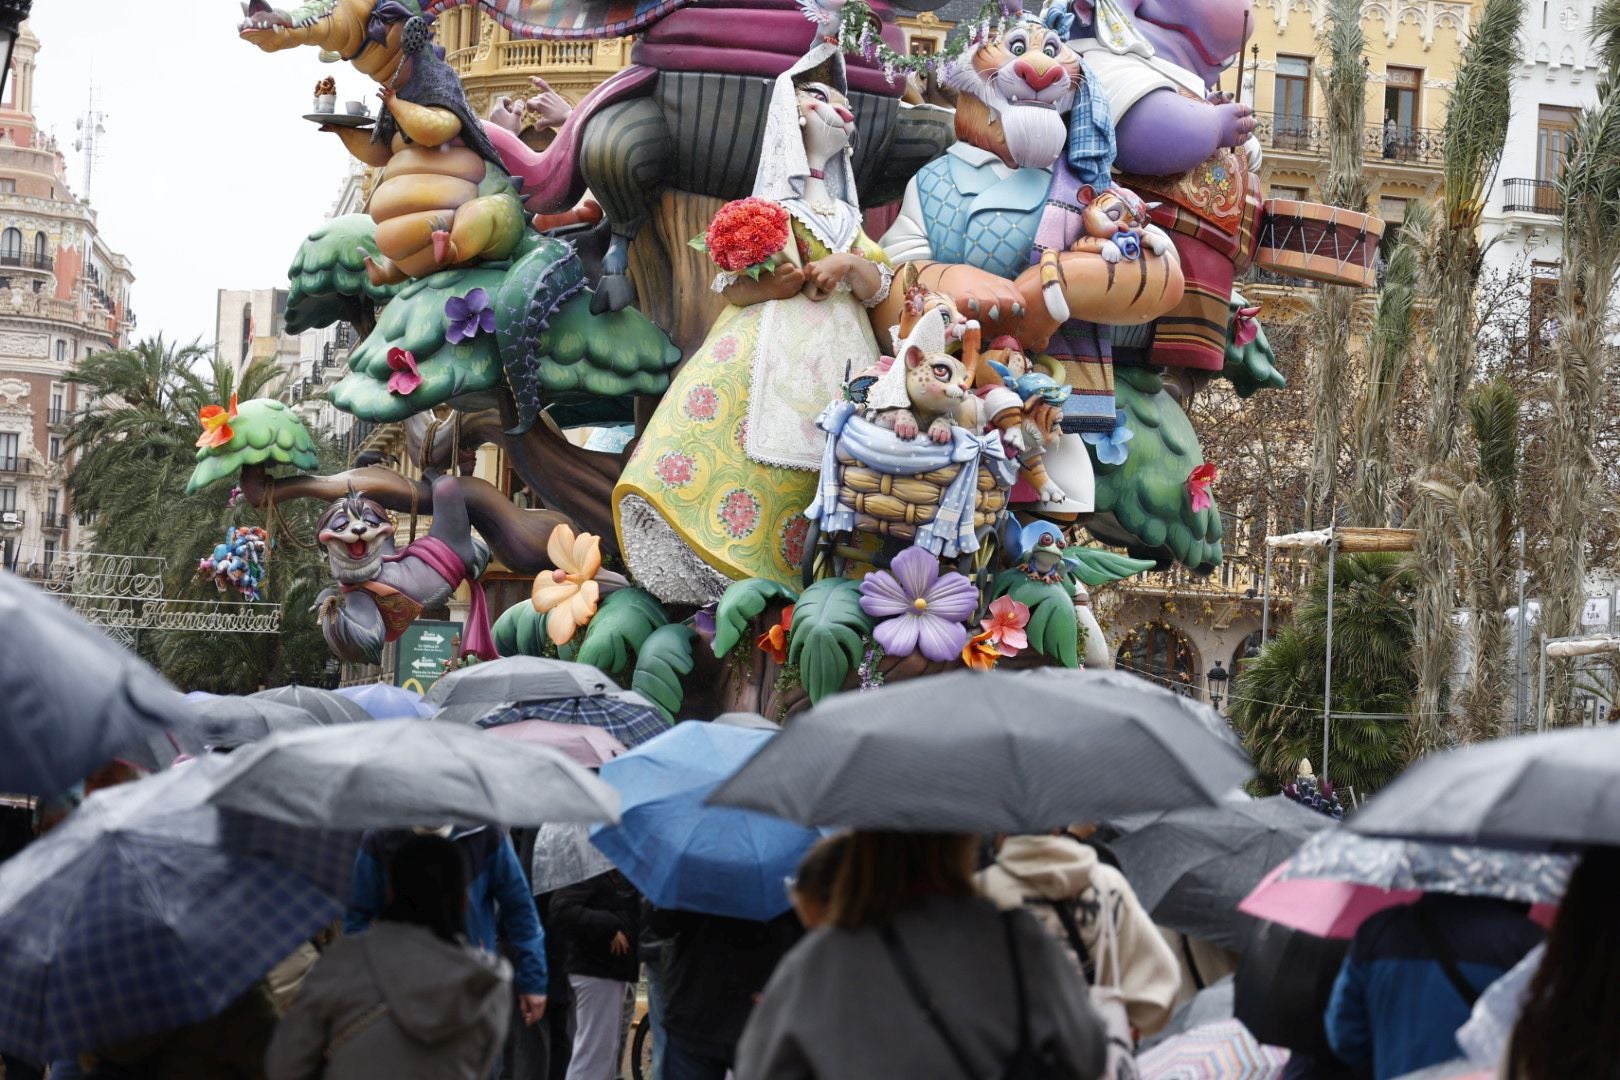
405	378
1198	487
1005	626
1244	328
921	608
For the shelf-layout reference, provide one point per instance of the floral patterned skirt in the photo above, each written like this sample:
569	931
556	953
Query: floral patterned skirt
742	518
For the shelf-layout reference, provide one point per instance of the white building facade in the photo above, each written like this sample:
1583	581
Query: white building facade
1523	232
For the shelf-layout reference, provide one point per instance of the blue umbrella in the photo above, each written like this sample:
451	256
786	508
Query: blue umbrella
386	702
71	698
681	852
148	909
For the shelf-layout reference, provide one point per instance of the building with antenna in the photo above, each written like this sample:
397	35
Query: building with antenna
64	293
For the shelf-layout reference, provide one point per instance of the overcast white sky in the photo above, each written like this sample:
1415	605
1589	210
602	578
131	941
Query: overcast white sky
208	177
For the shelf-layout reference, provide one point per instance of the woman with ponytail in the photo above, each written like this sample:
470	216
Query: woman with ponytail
408	998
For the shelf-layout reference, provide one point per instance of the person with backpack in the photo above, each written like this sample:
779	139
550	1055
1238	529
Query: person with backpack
915	975
1413	975
1071	892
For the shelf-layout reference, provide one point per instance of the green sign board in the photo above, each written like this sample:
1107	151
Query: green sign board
423	649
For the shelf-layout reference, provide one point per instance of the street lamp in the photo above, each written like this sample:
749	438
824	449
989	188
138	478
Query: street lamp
1217	677
12	14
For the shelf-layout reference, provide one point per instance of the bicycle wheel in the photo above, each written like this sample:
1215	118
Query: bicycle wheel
641	1050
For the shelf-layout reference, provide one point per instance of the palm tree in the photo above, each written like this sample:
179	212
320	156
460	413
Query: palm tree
1389	350
1590	186
1483	511
136	450
1476	127
1345	91
1277	704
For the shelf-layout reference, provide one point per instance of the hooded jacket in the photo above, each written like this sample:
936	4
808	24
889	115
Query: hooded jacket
1033	871
398	1002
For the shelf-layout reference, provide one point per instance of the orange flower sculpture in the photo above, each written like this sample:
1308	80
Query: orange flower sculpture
980	653
774	641
216	424
567	596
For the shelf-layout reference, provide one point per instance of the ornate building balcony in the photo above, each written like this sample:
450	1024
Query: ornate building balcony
1308	135
1531	197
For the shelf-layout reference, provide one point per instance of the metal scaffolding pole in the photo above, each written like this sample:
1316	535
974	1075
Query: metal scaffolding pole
1327	680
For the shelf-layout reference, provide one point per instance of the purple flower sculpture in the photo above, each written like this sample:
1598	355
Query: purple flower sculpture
469	316
920	607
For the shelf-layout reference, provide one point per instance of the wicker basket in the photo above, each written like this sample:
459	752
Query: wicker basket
897	506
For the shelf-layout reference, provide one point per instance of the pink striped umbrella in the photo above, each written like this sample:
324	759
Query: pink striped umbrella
586	745
1223	1049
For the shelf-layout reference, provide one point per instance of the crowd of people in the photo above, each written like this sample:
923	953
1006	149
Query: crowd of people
902	955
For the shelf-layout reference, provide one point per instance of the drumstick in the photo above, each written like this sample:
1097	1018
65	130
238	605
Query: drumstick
1237	97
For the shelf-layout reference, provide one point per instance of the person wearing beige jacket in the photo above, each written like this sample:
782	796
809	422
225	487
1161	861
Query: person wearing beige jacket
1049	874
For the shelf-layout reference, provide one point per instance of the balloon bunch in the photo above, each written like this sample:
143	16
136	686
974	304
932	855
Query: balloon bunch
238	563
1316	794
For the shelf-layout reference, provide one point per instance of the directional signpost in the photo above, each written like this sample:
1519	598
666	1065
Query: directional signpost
423	650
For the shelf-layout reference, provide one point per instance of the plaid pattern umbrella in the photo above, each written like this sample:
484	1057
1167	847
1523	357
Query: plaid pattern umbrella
148	910
1224	1049
624	714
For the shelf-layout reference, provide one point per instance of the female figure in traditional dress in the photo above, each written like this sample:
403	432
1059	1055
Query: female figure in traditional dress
716	488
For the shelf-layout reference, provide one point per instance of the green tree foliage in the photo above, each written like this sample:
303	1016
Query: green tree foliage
1277	704
136	449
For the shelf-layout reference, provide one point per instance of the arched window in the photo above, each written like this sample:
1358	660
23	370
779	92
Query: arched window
11	246
41	249
1160	652
1247	650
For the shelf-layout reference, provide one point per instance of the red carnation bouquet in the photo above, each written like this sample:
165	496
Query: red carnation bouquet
746	236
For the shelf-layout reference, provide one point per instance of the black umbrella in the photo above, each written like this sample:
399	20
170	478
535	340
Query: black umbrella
1191	866
72	699
1559	790
1282	987
323	705
991	752
226	723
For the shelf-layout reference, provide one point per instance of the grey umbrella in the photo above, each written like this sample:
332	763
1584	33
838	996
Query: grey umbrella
519	678
392	774
1558	790
1191	866
229	722
991	752
1116	685
323	705
72	699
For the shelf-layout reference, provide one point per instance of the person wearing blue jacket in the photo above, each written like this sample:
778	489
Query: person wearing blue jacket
498	901
1413	974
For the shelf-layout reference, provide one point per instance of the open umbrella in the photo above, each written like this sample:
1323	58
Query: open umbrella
586	746
1338	879
1116	684
226	723
985	752
393	774
1210	1005
72	699
1282	985
1558	790
682	853
324	705
564	856
1191	866
624	714
148	910
519	678
384	702
1223	1049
